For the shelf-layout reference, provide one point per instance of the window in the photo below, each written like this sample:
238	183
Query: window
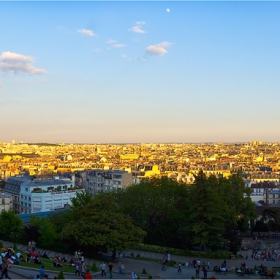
48	199
58	197
65	197
37	207
48	206
57	205
37	199
3	200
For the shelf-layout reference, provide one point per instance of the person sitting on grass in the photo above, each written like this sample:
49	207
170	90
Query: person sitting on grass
71	263
45	256
58	264
37	260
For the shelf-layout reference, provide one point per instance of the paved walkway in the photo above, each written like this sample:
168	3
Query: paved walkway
136	265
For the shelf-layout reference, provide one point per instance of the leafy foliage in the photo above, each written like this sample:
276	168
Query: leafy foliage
47	233
158	206
11	226
101	225
61	275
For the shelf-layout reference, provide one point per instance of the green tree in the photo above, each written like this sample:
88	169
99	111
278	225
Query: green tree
100	225
11	226
271	217
158	206
82	199
48	236
239	209
206	219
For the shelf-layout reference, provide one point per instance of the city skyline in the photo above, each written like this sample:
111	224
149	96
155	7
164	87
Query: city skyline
132	72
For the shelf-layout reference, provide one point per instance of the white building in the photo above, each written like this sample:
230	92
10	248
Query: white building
40	195
6	201
259	190
106	180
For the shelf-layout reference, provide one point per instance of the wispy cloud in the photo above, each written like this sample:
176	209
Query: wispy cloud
118	45
87	32
18	63
114	44
1	83
159	49
110	41
138	27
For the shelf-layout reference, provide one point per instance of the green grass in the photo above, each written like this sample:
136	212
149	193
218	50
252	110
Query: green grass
48	263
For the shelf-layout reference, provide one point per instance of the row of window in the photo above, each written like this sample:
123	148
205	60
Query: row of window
39	199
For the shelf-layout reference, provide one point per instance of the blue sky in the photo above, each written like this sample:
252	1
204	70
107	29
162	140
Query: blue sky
103	72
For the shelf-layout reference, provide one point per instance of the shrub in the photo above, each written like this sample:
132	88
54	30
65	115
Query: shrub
138	256
94	268
171	263
15	248
144	271
61	275
181	252
150	277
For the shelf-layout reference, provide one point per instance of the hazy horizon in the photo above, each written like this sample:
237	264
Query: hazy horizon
139	72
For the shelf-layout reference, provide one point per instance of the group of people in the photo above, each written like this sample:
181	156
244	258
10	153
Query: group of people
80	267
8	256
270	254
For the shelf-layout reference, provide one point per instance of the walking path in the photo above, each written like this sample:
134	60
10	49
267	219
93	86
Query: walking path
152	268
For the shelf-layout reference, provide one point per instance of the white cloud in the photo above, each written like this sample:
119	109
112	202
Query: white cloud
158	49
168	10
18	63
87	32
138	27
123	55
118	45
114	44
111	41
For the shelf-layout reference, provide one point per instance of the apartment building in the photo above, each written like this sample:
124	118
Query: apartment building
40	195
12	187
6	202
272	197
260	190
106	180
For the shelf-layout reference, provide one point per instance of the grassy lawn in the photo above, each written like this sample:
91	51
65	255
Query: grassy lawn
48	263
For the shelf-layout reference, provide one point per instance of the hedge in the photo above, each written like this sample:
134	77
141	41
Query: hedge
181	252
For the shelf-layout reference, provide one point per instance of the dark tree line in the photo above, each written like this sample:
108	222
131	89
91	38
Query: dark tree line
210	214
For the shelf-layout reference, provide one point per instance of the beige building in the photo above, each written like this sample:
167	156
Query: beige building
106	180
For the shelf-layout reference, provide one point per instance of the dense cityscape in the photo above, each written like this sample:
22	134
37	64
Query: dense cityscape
55	168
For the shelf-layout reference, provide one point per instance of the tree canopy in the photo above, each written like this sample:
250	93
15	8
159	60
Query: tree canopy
100	225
